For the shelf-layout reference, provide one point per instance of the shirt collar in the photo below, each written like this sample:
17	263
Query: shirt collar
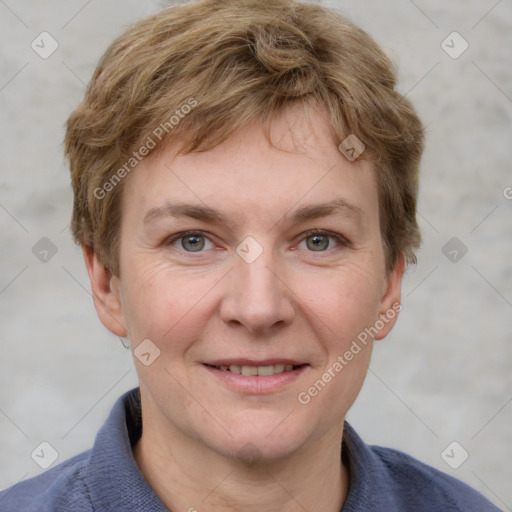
116	483
112	475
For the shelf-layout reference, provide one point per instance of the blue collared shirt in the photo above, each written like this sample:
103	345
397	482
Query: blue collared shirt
107	479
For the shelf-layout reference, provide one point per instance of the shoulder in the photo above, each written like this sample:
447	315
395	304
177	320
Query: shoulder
59	489
415	482
388	479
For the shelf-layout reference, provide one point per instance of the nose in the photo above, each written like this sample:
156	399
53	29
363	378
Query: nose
257	297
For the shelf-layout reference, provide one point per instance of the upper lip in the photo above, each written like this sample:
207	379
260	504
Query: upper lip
254	362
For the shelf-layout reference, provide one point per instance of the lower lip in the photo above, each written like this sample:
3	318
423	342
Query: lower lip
256	385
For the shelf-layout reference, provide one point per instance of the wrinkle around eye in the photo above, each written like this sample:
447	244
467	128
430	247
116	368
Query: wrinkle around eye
174	242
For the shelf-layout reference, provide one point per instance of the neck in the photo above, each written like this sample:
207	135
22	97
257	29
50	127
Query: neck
189	476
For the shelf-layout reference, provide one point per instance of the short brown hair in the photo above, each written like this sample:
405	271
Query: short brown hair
239	61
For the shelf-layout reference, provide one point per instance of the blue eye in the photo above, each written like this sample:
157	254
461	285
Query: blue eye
319	241
314	240
191	242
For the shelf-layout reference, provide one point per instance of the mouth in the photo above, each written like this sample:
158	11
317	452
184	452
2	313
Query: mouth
256	377
265	370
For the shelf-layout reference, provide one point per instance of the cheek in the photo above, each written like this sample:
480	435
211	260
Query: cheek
165	306
340	308
341	302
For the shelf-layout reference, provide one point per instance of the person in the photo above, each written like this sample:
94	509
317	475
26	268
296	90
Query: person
245	178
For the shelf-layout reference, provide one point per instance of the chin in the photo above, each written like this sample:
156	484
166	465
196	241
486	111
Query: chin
254	437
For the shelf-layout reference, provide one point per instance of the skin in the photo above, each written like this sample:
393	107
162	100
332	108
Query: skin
293	301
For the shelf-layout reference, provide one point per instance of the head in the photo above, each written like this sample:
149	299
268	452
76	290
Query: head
220	123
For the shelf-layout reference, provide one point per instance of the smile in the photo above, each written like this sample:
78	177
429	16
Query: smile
256	377
260	371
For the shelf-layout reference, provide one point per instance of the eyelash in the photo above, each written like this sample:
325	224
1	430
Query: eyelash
340	239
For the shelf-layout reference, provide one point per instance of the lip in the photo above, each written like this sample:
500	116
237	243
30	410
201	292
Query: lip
252	384
254	362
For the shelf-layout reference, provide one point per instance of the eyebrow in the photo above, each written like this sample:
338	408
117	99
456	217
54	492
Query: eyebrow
341	206
211	215
199	212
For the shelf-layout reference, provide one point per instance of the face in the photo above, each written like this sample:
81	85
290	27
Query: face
253	271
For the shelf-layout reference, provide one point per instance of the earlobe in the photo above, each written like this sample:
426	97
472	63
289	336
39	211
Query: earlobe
390	302
105	293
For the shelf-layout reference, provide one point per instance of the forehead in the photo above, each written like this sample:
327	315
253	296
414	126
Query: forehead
247	176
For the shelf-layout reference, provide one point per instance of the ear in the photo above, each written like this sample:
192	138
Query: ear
390	304
105	293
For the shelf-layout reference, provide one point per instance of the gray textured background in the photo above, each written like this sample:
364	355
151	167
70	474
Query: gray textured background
444	373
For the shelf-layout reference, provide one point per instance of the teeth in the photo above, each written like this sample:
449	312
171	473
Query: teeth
262	371
250	370
265	370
